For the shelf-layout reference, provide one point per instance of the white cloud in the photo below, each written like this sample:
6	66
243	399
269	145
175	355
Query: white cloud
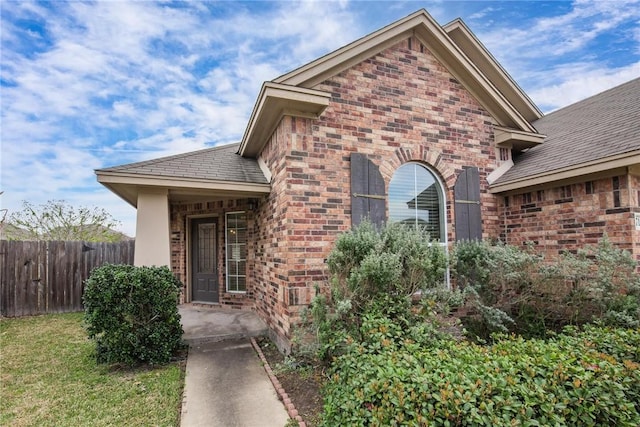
575	86
560	59
98	84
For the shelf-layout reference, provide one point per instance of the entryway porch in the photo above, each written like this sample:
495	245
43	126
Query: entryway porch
203	323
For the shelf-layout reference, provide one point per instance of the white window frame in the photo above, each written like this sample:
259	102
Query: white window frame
228	251
443	212
442	193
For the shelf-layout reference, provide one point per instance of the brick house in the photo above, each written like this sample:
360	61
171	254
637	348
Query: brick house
415	122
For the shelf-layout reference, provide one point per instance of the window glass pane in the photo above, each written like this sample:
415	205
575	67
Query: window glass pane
236	251
241	284
415	198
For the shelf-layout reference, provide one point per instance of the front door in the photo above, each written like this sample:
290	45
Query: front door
204	260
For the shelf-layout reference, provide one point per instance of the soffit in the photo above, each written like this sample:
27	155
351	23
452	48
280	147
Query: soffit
275	101
128	187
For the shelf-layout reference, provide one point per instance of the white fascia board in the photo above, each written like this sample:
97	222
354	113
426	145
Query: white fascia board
275	101
623	160
180	183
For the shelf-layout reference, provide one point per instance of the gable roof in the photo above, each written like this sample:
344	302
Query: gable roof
596	134
510	108
218	168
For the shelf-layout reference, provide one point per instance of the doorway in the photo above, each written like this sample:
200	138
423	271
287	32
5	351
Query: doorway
204	260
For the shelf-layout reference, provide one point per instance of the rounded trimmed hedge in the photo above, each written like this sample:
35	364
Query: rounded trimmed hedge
132	314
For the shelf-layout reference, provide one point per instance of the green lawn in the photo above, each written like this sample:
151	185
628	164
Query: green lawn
49	377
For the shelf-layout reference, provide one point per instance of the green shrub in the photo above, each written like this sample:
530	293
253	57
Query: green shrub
373	271
507	288
132	314
565	381
396	260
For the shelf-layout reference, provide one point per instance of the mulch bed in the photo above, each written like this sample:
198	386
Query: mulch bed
301	384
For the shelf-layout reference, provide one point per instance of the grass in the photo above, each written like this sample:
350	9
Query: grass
49	377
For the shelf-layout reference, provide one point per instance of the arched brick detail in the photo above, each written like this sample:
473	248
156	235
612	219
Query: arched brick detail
422	154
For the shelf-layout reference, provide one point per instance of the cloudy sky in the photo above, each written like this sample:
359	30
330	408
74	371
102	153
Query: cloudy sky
85	85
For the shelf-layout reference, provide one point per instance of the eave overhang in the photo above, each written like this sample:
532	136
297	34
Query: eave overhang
275	101
629	160
127	187
491	68
421	25
515	139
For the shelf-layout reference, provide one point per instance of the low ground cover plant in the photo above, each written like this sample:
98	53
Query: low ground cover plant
565	380
132	314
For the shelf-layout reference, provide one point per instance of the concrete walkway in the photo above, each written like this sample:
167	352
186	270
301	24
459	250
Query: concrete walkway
226	384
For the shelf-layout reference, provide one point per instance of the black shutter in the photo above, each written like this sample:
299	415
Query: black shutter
367	191
467	205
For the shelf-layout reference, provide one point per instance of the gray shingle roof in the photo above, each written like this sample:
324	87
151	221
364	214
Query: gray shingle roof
598	127
218	163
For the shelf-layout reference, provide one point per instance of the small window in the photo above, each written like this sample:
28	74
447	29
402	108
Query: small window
505	154
526	198
589	187
506	201
415	197
540	195
236	252
565	191
616	191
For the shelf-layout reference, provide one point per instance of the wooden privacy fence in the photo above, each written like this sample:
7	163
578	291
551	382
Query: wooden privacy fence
48	277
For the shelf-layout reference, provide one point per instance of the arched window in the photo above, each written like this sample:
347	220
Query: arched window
416	198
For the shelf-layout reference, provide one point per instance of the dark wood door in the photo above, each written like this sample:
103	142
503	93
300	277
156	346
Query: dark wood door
204	260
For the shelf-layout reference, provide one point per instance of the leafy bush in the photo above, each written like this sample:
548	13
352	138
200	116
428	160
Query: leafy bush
132	314
397	260
507	288
567	380
373	271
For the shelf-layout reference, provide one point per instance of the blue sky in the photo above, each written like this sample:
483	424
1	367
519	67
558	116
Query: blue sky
85	85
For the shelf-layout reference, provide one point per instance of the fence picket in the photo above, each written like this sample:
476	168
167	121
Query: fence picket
48	277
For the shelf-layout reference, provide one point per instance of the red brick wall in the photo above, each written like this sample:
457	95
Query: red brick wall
634	202
399	106
180	215
556	221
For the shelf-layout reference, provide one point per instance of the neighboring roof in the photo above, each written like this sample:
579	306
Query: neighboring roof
220	163
596	134
212	172
486	89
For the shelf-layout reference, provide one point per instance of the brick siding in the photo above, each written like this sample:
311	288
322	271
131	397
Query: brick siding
399	106
568	217
181	213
